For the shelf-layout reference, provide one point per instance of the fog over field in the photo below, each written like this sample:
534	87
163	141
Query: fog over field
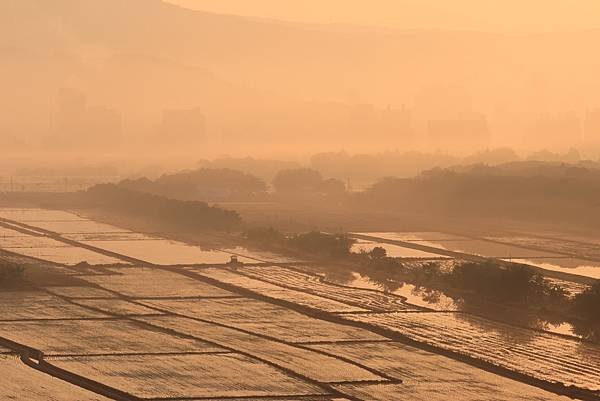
318	200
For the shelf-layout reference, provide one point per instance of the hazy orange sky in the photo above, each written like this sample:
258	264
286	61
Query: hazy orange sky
482	15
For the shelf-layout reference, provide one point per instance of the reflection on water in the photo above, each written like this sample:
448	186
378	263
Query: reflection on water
440	301
418	296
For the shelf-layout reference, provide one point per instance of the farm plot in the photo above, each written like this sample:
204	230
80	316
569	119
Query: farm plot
37	215
419	236
45	248
264	319
311	364
417	296
426	373
314	284
442	391
317	398
260	256
67	255
117	307
565	265
108	236
578	248
11	239
80	292
541	355
97	337
20	382
80	226
277	292
165	252
140	282
491	249
477	247
189	376
394	251
31	304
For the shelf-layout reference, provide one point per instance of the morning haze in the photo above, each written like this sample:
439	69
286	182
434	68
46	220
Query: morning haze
127	65
334	200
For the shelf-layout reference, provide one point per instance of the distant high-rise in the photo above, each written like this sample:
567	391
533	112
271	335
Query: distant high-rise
79	125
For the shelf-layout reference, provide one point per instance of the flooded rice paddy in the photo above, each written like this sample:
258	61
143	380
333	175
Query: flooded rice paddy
542	355
546	253
302	332
394	251
189	376
468	246
565	265
20	382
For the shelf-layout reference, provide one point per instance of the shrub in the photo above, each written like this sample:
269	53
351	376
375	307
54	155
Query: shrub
587	304
331	245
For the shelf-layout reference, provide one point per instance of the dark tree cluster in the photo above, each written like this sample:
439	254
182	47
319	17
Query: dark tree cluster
305	180
184	215
315	244
202	184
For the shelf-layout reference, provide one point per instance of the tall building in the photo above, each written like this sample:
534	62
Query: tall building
79	125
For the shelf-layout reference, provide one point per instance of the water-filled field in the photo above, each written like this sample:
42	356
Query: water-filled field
164	252
422	297
364	298
420	236
394	251
45	248
19	381
116	307
579	267
33	215
544	356
309	363
427	376
189	376
140	282
580	247
97	337
443	391
263	318
277	292
160	332
31	304
470	246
